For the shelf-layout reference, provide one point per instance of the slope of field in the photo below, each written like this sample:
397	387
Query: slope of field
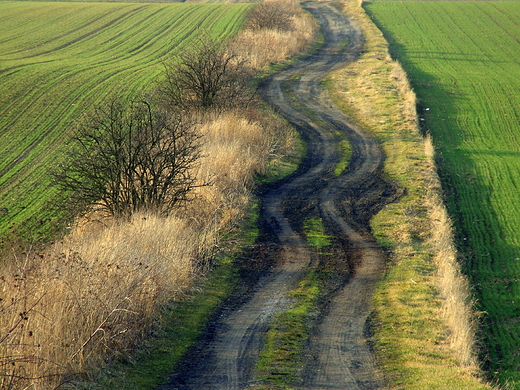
463	60
57	60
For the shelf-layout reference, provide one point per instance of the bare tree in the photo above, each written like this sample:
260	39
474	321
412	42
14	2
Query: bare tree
129	157
206	76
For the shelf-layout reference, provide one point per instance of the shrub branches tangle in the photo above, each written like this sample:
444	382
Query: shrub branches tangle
129	157
95	295
207	76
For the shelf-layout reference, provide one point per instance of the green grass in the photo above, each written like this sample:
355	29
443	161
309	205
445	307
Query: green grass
346	153
57	60
282	359
315	233
463	60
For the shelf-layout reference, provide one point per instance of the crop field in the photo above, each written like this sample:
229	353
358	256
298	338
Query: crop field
58	60
463	60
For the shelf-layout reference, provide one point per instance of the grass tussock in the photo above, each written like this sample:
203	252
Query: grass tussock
425	326
263	47
96	294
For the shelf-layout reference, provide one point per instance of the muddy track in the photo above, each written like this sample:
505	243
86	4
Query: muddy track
338	356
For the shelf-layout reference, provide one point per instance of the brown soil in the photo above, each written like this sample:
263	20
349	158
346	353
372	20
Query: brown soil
338	355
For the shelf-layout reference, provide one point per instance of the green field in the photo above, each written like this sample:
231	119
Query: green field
57	60
463	60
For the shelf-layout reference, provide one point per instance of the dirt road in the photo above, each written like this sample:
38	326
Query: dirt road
338	356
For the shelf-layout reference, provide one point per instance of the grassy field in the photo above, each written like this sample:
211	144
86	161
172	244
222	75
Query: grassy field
57	60
463	61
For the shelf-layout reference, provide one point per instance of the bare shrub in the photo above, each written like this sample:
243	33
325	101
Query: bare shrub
131	156
273	15
94	295
206	76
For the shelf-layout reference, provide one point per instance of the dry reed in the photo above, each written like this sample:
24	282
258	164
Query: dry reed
264	47
94	295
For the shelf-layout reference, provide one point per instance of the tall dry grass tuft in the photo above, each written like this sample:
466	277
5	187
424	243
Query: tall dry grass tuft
264	47
238	146
453	285
406	93
97	293
93	295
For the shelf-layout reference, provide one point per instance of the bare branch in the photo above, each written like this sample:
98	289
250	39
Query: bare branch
130	157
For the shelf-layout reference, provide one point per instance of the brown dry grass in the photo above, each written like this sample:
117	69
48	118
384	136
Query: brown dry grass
265	47
95	294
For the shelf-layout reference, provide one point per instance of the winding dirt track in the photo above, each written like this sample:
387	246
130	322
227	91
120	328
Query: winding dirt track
338	356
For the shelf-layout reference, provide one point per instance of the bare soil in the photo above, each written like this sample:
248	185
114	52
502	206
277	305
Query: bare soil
338	355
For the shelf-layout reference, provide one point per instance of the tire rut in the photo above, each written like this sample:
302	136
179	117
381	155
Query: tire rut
339	357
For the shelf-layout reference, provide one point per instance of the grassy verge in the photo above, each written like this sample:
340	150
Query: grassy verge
467	105
182	321
421	340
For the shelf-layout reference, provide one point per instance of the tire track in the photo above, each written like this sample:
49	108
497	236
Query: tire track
341	359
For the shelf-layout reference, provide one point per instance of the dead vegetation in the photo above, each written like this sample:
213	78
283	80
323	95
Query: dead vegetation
95	294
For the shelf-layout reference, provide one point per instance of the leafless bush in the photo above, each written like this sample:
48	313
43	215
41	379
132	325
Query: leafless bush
274	15
206	76
127	157
94	295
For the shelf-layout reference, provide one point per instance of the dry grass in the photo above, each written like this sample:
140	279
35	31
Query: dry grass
264	47
95	295
97	292
425	335
91	295
452	284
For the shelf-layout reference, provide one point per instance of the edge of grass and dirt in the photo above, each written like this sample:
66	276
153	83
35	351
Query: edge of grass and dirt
282	360
423	323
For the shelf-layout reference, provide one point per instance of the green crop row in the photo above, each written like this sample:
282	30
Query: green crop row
463	60
57	60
